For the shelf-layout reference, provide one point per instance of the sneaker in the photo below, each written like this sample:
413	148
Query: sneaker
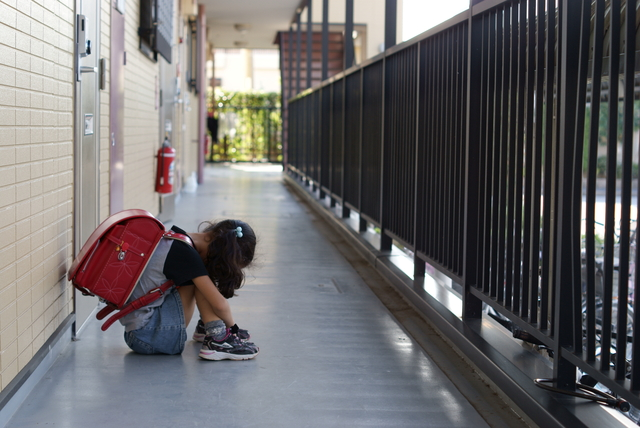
200	333
241	333
231	348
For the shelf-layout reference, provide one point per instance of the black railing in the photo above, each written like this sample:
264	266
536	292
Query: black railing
480	146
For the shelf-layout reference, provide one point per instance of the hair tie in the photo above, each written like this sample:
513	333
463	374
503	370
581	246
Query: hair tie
239	232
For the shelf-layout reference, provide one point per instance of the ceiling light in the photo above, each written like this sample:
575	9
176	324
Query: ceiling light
242	28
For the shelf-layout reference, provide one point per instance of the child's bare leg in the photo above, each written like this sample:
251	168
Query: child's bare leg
204	307
187	295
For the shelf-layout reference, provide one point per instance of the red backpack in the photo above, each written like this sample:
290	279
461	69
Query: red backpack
113	258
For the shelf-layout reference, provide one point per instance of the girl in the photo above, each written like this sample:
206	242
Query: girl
208	274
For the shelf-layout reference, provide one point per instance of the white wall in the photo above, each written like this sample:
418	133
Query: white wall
247	69
420	15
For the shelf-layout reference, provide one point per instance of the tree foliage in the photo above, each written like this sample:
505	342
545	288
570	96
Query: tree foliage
249	126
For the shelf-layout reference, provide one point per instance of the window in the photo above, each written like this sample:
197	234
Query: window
192	54
156	28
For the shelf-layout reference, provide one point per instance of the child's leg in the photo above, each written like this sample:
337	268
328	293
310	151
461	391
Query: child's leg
187	295
200	331
204	307
206	315
213	325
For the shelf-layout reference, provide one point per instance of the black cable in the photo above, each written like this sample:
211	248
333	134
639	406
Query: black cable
589	393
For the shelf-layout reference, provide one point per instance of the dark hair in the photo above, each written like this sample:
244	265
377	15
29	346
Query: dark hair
228	253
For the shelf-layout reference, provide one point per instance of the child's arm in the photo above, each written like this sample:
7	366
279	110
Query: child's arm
219	304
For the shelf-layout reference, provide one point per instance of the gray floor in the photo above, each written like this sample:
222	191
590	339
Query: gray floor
331	355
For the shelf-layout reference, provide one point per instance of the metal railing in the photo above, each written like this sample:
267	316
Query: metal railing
479	146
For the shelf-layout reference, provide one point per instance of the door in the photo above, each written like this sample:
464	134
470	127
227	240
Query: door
86	138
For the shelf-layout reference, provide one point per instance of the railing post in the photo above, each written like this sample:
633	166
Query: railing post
346	212
567	285
306	134
419	267
315	143
332	202
321	130
385	241
362	227
472	306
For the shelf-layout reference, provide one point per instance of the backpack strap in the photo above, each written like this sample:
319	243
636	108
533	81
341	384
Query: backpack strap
141	302
170	234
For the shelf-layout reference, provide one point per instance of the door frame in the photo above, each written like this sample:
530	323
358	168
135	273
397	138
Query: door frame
86	127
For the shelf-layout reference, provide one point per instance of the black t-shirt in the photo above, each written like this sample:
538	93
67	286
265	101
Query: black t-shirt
183	262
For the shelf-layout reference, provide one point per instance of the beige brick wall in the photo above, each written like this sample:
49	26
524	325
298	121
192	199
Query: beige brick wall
141	119
36	175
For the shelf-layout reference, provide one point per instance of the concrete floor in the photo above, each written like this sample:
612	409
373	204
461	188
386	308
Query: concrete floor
331	355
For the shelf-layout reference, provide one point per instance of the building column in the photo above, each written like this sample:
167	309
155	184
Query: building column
325	39
309	41
201	88
390	23
348	35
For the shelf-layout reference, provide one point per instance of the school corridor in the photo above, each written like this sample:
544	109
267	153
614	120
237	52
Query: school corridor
331	354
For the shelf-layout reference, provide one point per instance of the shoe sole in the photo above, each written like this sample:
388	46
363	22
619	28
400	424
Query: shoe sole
219	356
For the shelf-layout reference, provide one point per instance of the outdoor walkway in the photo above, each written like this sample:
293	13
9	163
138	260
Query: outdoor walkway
331	355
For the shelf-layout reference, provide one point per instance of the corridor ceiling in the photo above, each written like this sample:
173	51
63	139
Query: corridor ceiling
249	24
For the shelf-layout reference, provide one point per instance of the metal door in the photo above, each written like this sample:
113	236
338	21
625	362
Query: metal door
86	138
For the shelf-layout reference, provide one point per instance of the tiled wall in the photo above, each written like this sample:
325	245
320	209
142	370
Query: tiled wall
36	175
141	119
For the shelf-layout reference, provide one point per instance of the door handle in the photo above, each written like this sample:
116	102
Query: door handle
87	69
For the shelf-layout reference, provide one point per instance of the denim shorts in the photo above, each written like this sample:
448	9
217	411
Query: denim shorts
165	333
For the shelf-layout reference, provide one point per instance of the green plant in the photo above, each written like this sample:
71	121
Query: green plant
250	126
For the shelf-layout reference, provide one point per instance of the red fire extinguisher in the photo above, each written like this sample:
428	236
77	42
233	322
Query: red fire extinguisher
164	177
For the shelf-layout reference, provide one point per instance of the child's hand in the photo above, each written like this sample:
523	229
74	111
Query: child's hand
242	334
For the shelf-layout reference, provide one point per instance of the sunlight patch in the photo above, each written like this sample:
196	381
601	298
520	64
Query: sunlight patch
250	167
